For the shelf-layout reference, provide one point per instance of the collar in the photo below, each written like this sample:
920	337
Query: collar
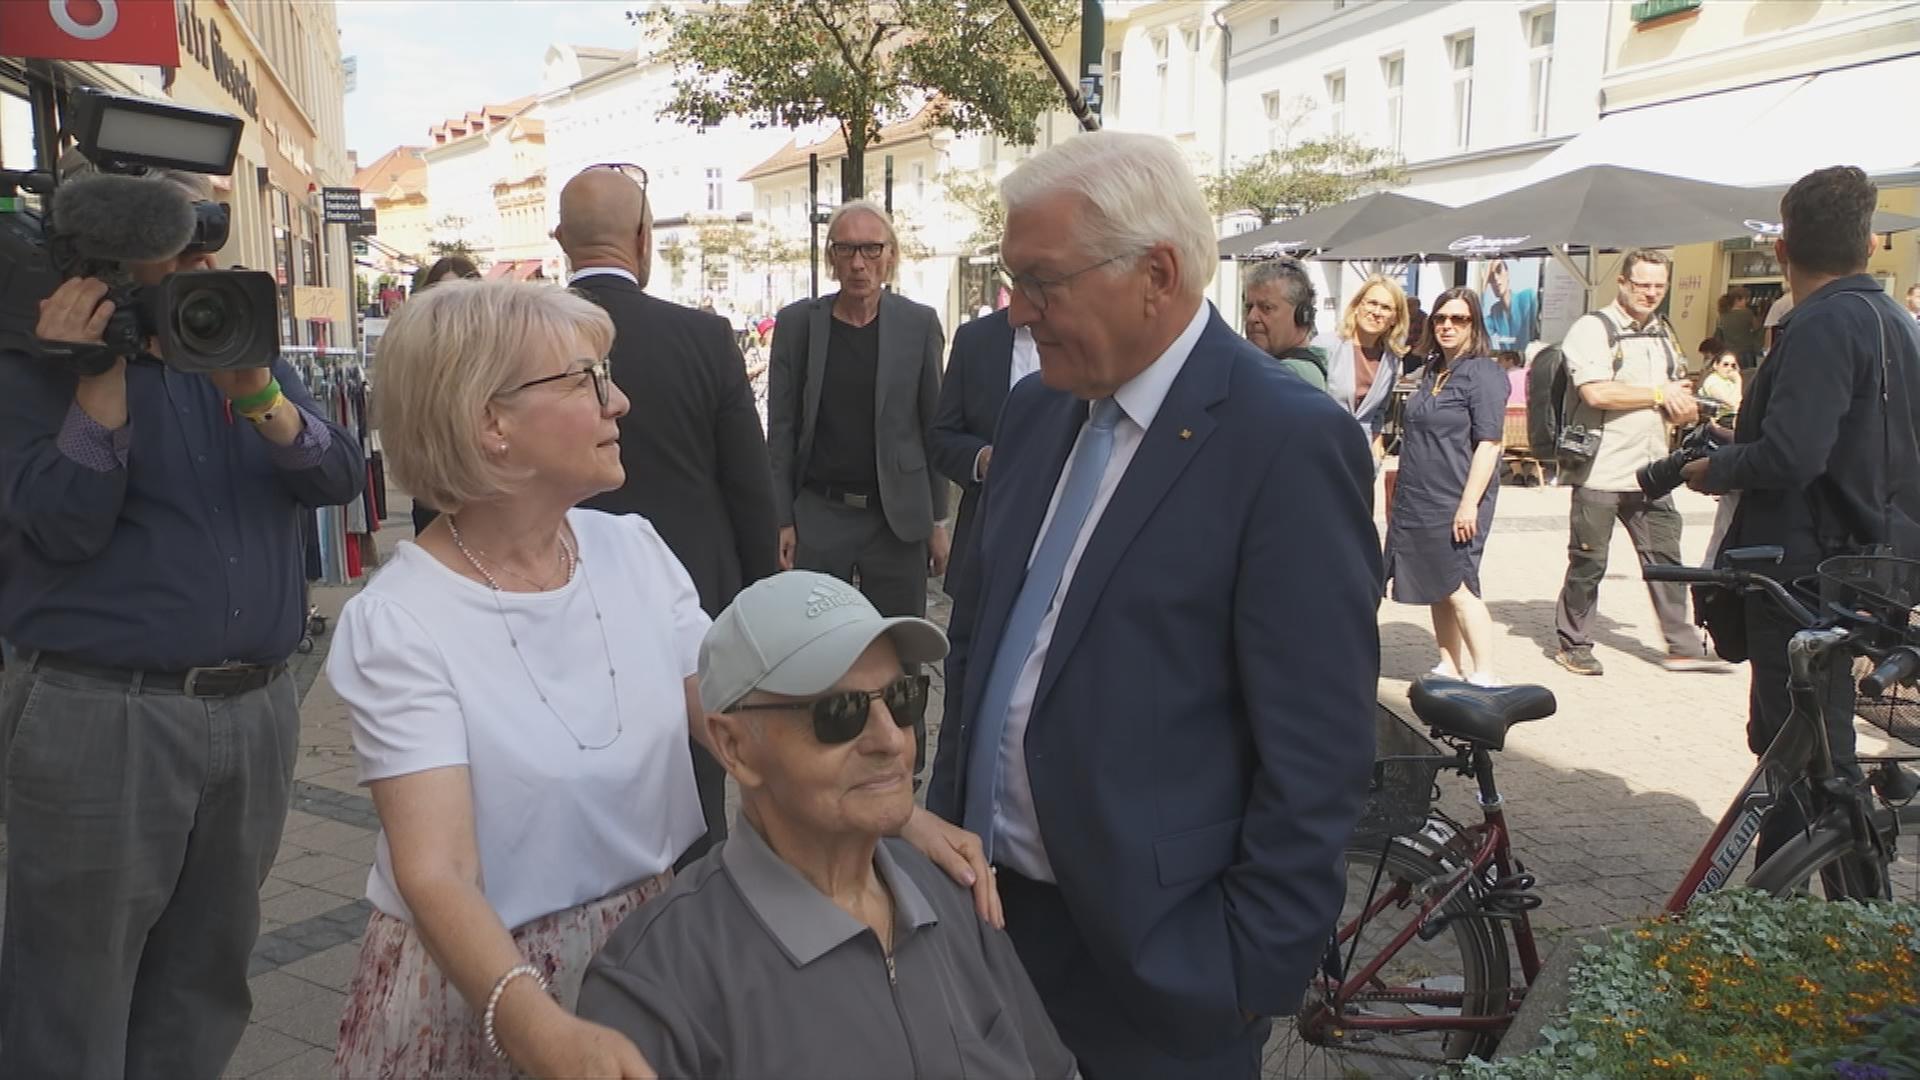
1846	283
1620	317
1141	397
599	271
801	919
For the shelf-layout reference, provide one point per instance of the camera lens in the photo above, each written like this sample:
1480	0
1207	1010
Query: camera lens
205	320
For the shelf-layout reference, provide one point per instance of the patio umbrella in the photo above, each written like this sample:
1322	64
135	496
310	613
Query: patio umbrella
1328	226
1596	208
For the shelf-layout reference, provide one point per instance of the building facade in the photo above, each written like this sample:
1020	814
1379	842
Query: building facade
467	158
603	106
395	186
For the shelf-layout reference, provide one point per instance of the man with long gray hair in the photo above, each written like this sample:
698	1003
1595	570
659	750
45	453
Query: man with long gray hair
1160	699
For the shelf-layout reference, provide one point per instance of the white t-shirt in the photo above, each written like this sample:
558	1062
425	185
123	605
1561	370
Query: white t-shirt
422	659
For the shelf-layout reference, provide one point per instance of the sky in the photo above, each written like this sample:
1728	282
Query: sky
424	61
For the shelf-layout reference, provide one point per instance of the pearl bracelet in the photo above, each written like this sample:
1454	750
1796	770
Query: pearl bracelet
493	1002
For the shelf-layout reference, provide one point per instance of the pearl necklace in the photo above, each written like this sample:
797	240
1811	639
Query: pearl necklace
571	558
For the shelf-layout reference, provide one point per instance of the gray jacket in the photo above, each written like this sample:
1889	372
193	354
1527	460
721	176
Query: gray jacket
906	391
1371	411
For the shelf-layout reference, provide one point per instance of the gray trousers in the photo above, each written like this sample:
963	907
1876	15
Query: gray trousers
858	547
1654	526
140	827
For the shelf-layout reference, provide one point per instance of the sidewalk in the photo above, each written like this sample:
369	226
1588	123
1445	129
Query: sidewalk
1609	799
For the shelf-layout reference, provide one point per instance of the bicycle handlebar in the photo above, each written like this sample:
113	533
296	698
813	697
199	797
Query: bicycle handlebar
1899	667
1740	580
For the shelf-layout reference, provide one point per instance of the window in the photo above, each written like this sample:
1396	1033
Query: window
1161	85
1270	105
1539	68
1273	27
1113	83
919	181
1337	102
1460	57
1191	99
1393	73
716	190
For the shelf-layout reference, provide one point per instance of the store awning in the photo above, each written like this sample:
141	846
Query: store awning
1756	136
514	270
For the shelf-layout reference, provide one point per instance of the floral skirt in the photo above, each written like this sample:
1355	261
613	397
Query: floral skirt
404	1019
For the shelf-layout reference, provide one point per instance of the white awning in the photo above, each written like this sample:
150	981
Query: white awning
1758	136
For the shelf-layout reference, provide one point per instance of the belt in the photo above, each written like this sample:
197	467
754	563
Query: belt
859	500
225	681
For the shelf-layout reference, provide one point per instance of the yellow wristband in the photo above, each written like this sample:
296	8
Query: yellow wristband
264	413
1659	396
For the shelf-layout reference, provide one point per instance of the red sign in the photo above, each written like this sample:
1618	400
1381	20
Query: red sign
106	31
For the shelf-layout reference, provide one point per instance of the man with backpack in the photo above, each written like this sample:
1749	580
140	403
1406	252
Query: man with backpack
1624	391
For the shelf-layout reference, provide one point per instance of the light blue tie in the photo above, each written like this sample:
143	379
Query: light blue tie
1084	472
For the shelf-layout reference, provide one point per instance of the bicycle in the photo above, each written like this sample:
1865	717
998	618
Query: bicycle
1420	972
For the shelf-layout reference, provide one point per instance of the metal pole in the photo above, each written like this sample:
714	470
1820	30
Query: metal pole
887	193
813	221
1078	104
1093	55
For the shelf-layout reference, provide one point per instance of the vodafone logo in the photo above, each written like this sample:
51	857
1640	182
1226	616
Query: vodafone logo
88	20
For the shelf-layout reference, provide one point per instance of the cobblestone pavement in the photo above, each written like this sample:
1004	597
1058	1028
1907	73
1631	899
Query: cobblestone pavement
1609	799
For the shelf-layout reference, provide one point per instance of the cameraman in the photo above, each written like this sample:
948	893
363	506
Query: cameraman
1824	460
151	589
1626	374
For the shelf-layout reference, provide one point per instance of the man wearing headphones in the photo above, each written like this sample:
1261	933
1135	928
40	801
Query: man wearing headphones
1279	318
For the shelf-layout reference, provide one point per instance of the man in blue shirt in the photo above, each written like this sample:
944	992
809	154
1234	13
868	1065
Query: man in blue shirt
151	589
1513	317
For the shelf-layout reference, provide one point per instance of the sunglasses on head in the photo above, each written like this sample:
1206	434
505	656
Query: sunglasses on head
633	172
841	717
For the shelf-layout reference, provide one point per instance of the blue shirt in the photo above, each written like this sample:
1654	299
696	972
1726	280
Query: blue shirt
1515	322
173	542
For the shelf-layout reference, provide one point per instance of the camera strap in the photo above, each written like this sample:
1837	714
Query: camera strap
1857	537
85	359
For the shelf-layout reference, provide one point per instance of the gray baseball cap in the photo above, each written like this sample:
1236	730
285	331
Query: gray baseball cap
797	633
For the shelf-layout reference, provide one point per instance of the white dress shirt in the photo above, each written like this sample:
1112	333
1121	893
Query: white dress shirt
590	271
1017	842
1026	361
1026	356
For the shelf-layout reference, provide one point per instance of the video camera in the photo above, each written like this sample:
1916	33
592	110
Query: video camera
1659	477
92	225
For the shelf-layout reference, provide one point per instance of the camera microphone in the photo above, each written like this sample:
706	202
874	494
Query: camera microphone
124	218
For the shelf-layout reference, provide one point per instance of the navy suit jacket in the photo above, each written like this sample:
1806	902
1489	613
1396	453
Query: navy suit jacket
1202	734
971	394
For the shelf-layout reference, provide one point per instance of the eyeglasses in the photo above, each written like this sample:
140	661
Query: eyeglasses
599	371
1451	320
635	172
1034	287
1377	306
840	718
870	252
1647	286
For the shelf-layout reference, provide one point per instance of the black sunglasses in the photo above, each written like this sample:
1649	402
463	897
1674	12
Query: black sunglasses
635	172
600	371
840	718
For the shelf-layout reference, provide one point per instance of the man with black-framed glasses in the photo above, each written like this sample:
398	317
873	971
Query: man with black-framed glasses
695	456
808	699
853	386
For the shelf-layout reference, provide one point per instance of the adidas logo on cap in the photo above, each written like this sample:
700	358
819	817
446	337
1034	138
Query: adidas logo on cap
824	598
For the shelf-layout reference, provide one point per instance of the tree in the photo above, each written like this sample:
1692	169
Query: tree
976	192
786	63
1303	177
450	225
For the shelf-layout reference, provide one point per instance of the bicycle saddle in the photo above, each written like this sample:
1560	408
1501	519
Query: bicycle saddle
1479	715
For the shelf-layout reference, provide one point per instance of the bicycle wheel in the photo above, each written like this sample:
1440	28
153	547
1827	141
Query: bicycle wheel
1463	971
1820	863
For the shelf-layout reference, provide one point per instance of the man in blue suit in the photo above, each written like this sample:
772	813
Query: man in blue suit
988	357
1161	694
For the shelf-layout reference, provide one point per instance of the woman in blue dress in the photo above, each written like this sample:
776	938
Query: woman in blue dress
1444	497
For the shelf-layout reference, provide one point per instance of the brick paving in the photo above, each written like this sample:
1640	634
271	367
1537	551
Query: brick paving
1609	799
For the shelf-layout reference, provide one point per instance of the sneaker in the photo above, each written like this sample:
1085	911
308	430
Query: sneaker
1579	660
1679	662
1445	670
1485	680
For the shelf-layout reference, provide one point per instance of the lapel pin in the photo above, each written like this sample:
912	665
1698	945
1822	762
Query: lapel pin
1186	433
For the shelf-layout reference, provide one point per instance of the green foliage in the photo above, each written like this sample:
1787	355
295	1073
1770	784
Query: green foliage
976	192
1303	178
1740	985
440	249
786	63
753	244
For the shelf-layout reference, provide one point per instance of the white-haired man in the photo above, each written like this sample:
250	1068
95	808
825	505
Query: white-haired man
853	384
1160	698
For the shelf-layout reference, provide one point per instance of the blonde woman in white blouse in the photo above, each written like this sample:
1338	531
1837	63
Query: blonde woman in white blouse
520	679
